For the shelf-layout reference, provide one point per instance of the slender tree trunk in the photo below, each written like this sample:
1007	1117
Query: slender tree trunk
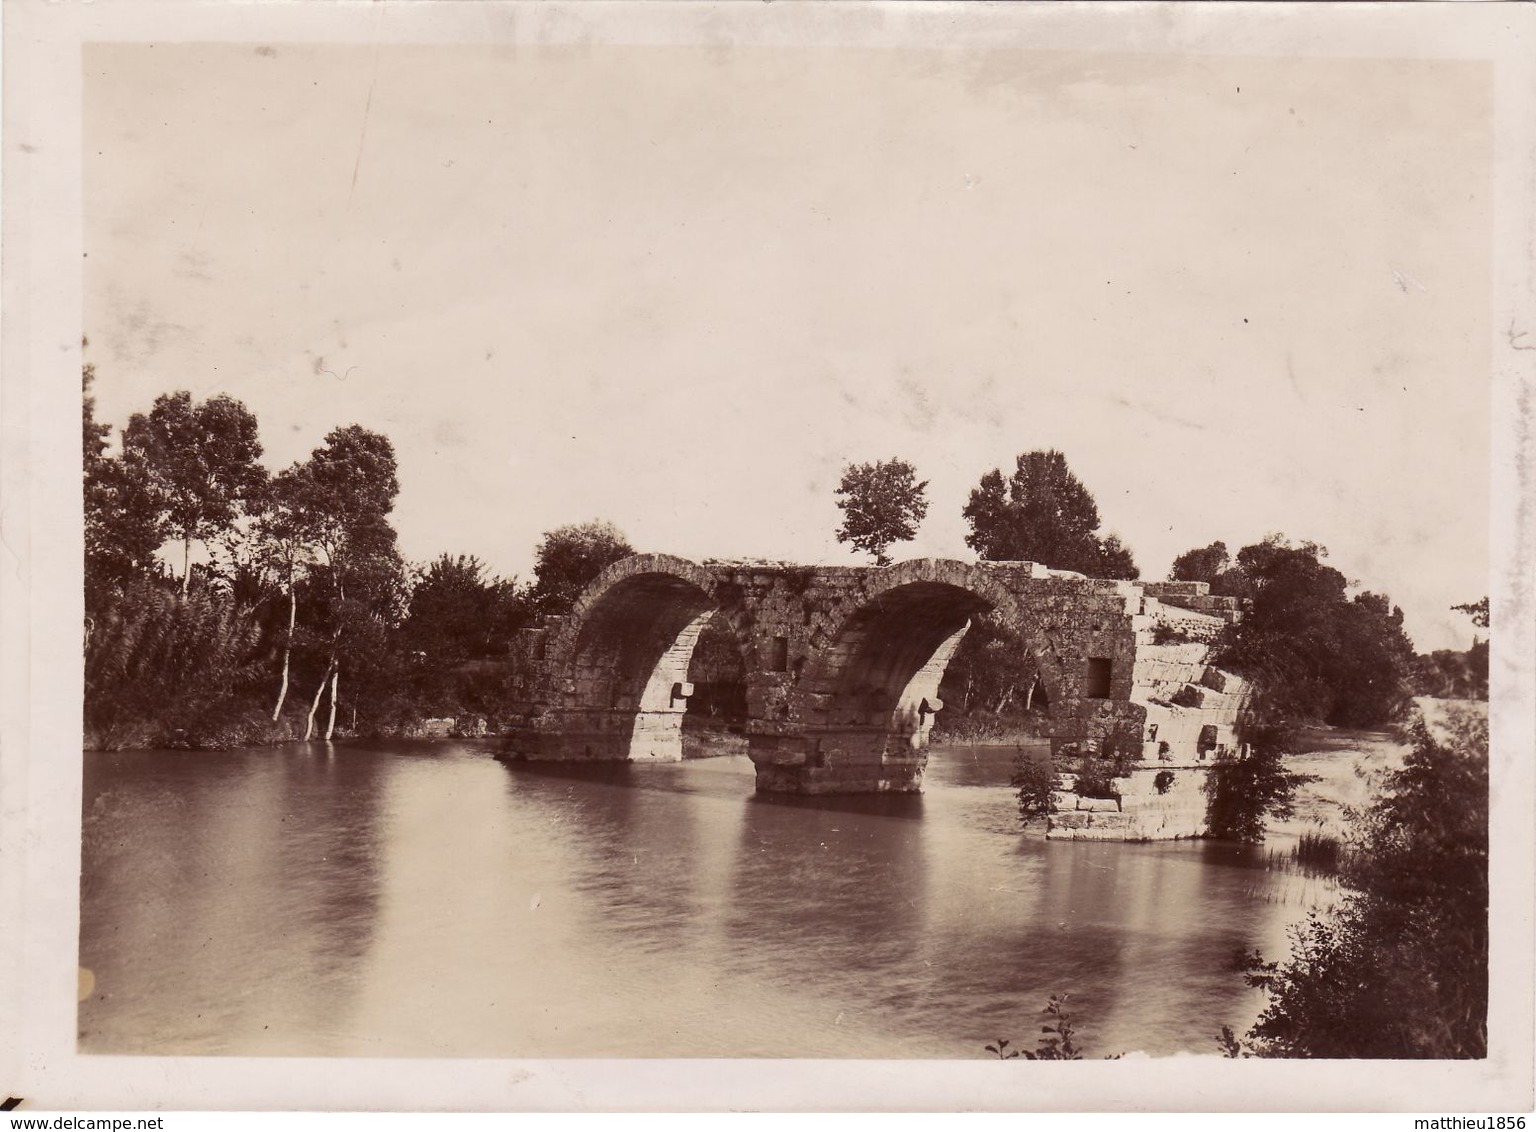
309	727
1029	698
293	616
186	564
1002	703
330	725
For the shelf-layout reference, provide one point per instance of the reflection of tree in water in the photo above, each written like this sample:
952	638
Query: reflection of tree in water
240	902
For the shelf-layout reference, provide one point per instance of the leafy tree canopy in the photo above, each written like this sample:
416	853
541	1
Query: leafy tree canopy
344	492
201	462
881	503
1043	513
569	557
458	612
1456	674
1204	564
124	524
1317	653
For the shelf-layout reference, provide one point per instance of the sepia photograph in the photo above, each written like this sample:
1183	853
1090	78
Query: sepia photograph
934	535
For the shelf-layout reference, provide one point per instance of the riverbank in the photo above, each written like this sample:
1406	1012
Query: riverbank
1341	768
254	728
985	732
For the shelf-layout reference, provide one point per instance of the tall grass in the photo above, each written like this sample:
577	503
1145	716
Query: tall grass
162	669
1320	852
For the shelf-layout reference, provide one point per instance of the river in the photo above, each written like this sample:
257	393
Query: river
413	899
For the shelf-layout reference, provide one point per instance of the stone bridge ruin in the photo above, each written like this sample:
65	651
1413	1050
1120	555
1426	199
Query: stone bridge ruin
836	669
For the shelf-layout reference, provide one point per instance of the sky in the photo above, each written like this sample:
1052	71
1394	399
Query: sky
682	288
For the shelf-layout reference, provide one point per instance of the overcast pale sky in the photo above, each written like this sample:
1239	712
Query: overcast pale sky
680	288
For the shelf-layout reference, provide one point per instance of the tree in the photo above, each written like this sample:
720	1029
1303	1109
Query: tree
991	684
123	526
1477	655
882	503
459	612
1399	969
1205	564
456	639
568	558
343	494
94	433
1245	787
1371	677
287	538
1452	674
1316	653
201	461
1115	559
1043	513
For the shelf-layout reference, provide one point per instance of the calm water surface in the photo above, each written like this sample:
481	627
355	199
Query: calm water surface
398	899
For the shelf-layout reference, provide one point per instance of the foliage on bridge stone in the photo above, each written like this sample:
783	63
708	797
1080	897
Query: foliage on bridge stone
1042	512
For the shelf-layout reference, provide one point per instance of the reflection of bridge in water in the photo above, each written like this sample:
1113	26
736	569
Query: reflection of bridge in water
840	666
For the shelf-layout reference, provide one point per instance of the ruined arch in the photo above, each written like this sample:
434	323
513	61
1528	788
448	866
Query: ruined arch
720	705
617	670
881	673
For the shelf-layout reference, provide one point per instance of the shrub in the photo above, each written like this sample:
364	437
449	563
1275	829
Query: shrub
1056	1041
1035	781
1247	785
1097	770
1400	968
163	669
1163	782
1095	779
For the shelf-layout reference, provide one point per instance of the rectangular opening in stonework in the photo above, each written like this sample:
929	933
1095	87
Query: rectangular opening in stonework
1100	670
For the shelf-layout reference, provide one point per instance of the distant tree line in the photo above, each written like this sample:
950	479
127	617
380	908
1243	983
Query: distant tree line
304	593
1457	674
304	620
